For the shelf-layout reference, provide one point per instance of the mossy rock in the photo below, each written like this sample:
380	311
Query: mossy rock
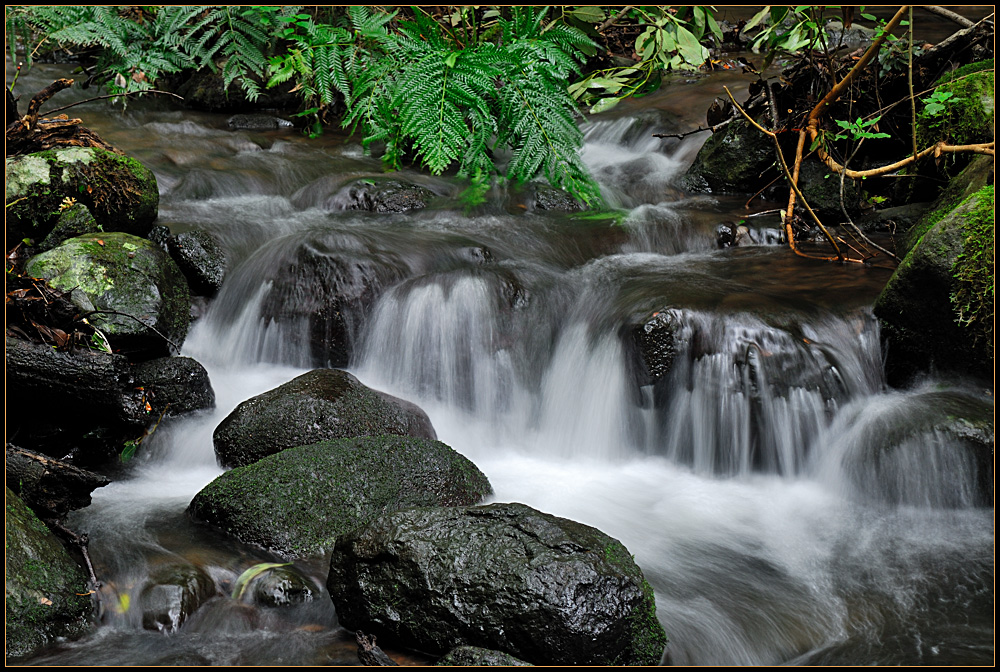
547	590
320	405
71	222
120	192
299	501
474	656
46	593
937	309
969	115
737	159
145	293
973	177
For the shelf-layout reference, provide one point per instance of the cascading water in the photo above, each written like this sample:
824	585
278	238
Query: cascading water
783	504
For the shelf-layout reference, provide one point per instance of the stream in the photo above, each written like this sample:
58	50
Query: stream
783	502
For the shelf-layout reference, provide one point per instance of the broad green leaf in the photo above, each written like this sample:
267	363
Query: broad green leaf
588	13
757	18
604	104
246	577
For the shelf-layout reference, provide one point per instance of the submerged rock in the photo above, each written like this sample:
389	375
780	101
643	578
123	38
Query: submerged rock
382	195
173	593
144	294
322	291
299	501
507	577
120	192
46	593
320	405
257	122
281	587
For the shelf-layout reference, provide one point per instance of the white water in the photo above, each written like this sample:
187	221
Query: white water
749	483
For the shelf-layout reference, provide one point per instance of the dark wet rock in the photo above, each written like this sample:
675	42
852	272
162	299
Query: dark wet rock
895	221
474	656
385	195
730	234
160	234
257	122
821	187
543	197
206	90
331	289
172	594
61	402
738	158
655	344
145	293
201	259
951	428
975	176
545	589
89	403
281	587
119	192
52	488
299	501
320	405
72	222
477	254
46	592
174	385
919	307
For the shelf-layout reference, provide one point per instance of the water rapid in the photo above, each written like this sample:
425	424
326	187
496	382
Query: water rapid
784	504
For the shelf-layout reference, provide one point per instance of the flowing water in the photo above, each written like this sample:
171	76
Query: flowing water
785	504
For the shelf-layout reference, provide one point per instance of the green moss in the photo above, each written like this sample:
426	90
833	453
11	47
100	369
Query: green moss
968	117
973	295
46	592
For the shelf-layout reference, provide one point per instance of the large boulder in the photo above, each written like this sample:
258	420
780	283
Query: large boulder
322	290
144	294
937	309
46	593
298	502
547	590
317	406
119	191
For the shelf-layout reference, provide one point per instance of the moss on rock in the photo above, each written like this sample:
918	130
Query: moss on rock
46	594
130	277
937	309
120	192
968	116
299	501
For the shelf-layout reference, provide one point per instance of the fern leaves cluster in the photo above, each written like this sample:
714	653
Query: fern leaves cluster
451	105
443	97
